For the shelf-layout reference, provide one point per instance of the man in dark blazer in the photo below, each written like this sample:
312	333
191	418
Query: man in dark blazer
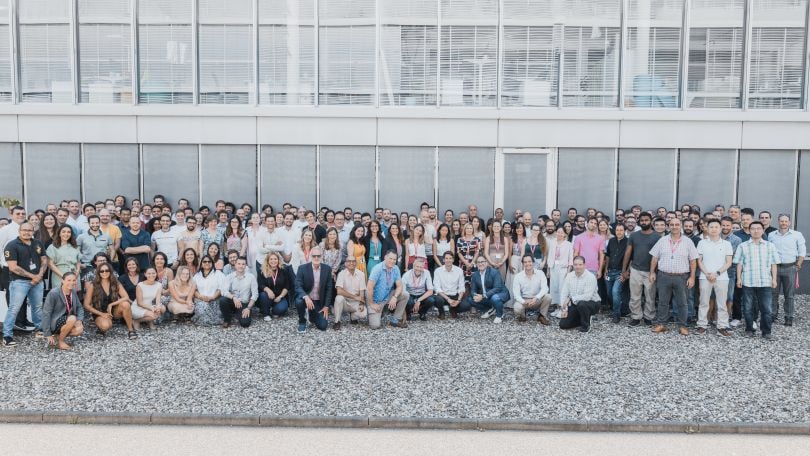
488	295
313	292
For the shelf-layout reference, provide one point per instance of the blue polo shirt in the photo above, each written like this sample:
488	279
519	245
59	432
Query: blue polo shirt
385	282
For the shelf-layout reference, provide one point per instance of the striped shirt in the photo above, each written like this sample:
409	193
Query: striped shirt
674	256
756	260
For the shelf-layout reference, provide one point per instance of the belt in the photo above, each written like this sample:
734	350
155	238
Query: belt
673	273
786	265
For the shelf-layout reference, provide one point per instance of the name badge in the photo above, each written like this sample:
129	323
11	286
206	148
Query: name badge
376	258
32	266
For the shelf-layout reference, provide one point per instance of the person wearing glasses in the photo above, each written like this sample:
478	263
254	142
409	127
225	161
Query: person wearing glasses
313	292
107	300
487	291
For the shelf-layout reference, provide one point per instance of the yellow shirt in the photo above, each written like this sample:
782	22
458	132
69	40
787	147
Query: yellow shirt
115	235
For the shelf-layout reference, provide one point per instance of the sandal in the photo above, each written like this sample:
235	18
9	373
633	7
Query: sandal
132	335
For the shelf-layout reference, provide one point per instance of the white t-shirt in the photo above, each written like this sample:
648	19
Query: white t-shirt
714	256
166	242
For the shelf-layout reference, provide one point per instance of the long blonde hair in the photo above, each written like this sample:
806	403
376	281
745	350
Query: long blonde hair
178	281
266	264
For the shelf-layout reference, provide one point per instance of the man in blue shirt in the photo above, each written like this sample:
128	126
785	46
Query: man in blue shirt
791	248
385	285
137	243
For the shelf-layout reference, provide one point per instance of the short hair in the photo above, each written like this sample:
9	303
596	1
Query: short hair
620	225
787	216
580	258
714	220
756	222
94	216
447	253
747	210
727	218
658	219
765	212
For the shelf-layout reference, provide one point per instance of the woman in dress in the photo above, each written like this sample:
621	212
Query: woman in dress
146	308
235	237
330	248
560	263
182	290
107	300
130	279
498	249
536	247
468	248
302	249
211	234
208	282
374	245
63	256
274	287
396	242
164	275
356	248
443	243
415	246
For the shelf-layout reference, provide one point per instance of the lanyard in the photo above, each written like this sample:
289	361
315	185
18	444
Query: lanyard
273	276
389	277
557	252
68	302
674	246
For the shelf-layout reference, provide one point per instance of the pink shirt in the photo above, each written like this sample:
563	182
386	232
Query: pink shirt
589	246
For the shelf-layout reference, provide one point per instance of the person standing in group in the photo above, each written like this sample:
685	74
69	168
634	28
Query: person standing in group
636	267
468	248
355	248
374	246
536	246
757	270
714	261
589	244
791	247
235	237
610	267
415	245
64	256
27	264
497	249
560	263
672	269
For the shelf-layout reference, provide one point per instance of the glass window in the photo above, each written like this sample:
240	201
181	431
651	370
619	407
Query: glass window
652	53
46	74
777	54
469	52
525	183
105	66
408	53
406	177
715	54
347	176
346	48
165	51
226	51
52	173
289	174
109	170
287	52
171	170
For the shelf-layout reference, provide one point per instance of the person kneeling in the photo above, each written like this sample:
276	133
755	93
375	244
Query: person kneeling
238	295
313	291
580	297
62	313
419	290
385	291
487	291
106	299
181	290
147	307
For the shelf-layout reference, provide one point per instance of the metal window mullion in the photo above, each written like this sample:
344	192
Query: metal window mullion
82	189
199	173
377	56
140	171
15	51
74	54
255	38
195	51
622	60
317	54
746	61
499	59
684	67
136	68
560	67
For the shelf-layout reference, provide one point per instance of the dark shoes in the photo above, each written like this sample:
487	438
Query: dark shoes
336	326
584	329
634	323
617	320
723	332
543	320
788	322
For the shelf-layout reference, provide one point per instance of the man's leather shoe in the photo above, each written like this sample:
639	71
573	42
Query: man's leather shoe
543	320
336	326
659	329
684	331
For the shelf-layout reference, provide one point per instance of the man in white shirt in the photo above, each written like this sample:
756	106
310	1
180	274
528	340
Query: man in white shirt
530	291
271	240
165	240
290	236
419	290
448	287
351	293
580	297
76	219
714	260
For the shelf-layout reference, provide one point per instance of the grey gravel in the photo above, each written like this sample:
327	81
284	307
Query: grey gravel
468	368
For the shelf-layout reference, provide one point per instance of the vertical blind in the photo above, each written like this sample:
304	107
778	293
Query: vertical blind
347	47
99	160
51	171
347	176
228	172
105	65
526	187
289	174
226	51
165	51
706	177
600	173
652	53
777	168
45	49
160	165
6	66
646	177
715	54
406	177
777	54
531	50
467	175
287	51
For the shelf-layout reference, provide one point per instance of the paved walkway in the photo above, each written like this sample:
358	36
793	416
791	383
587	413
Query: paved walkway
179	441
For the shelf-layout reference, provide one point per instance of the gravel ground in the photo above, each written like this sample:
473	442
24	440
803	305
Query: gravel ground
468	368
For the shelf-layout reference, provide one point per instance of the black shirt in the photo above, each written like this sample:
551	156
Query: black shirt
615	253
28	257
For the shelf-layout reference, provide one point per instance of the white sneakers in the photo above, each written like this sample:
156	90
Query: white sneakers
556	313
487	314
734	323
267	318
497	320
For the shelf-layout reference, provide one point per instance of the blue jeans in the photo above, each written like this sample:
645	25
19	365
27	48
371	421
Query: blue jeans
495	301
315	316
18	291
269	307
616	291
764	295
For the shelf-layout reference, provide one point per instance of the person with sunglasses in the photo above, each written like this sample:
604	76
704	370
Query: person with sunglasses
106	299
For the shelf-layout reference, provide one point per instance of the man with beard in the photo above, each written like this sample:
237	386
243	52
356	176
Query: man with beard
638	271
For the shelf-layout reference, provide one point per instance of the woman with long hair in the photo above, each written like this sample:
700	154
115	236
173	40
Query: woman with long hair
208	283
107	300
415	246
235	236
411	223
478	227
374	245
301	250
330	249
568	227
498	249
62	313
131	277
215	253
211	233
146	308
443	243
182	290
468	247
254	233
396	242
455	229
47	231
189	259
63	255
274	287
560	263
164	275
536	247
355	247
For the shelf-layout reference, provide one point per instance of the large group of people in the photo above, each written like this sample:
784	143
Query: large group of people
146	263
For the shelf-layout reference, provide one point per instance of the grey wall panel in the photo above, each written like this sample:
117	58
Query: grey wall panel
767	180
52	174
802	219
406	177
467	176
109	170
288	174
228	173
706	177
524	185
171	170
10	173
646	177
347	177
586	178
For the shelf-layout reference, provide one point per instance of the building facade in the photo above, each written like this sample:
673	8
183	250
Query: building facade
533	104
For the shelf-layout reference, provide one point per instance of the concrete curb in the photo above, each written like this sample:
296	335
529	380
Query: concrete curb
364	422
